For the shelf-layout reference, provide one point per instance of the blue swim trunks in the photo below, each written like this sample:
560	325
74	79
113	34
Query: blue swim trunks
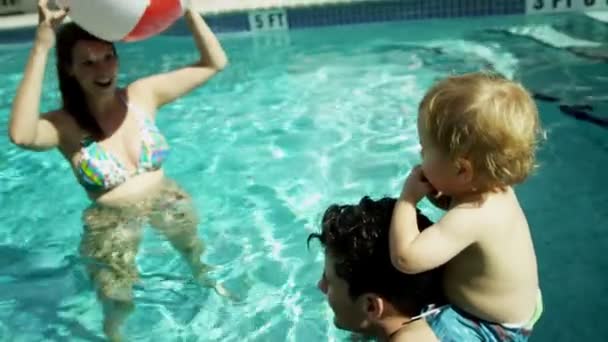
451	324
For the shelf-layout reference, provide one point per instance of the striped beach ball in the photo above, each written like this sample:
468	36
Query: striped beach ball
125	20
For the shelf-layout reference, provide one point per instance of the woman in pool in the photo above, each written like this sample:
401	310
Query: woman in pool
110	139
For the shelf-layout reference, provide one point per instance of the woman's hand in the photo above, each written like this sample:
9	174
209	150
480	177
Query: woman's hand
48	20
26	128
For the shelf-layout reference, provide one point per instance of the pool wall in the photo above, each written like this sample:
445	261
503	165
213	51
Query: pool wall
280	15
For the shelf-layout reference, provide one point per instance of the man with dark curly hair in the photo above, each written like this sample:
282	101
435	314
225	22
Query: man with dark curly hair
364	290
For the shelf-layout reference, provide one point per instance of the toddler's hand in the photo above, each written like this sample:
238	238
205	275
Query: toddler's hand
416	186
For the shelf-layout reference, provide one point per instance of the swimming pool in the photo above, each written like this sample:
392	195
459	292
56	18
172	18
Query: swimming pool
298	121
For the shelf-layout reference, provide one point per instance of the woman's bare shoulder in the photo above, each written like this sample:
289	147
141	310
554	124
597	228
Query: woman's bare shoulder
68	129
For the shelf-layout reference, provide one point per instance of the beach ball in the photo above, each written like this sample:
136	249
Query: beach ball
125	20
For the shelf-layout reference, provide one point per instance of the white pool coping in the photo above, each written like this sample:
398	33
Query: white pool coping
30	20
220	6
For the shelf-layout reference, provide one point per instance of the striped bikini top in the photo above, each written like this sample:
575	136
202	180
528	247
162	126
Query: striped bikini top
98	170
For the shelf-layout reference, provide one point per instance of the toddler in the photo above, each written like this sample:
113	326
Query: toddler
478	134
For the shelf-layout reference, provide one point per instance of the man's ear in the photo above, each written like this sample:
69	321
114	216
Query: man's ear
372	305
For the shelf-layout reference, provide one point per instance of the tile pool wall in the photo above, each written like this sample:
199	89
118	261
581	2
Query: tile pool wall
277	15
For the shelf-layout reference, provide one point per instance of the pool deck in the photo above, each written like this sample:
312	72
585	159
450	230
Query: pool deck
209	7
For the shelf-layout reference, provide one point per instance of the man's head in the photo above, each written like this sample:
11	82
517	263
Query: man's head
360	282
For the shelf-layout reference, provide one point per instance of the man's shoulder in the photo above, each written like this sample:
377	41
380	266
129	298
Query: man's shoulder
419	333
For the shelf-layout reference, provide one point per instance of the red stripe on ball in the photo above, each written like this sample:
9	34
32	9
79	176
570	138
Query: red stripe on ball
159	15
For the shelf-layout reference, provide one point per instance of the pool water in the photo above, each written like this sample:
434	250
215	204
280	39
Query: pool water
297	122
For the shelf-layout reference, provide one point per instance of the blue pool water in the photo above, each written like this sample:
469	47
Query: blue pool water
297	122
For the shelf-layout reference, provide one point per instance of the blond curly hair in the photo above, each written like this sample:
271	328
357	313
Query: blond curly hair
489	120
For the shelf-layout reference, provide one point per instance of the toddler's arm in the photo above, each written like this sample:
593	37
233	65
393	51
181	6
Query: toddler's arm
413	251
